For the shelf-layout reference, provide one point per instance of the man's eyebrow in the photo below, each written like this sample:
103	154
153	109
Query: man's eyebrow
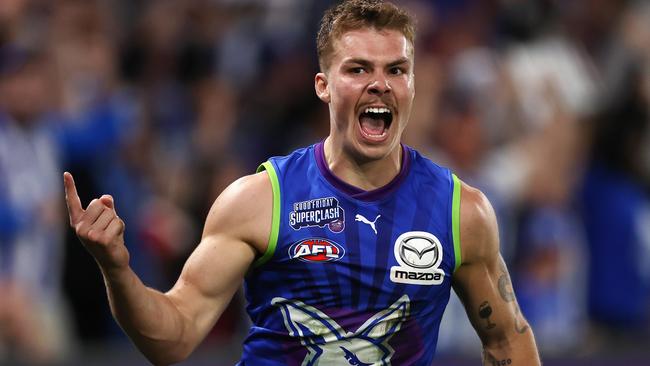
359	61
400	61
364	62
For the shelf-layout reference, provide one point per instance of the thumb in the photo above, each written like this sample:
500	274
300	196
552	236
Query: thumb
107	200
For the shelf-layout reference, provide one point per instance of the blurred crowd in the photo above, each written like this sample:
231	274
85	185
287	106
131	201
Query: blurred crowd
542	104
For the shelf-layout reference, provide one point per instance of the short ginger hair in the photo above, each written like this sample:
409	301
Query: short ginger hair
357	14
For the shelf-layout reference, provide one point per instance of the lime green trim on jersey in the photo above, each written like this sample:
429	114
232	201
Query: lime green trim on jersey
275	218
455	220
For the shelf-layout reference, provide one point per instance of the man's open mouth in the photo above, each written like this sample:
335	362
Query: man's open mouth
375	121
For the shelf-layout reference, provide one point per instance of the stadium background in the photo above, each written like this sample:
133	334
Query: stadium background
543	104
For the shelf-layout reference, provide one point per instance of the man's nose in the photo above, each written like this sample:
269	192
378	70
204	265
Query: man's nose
379	86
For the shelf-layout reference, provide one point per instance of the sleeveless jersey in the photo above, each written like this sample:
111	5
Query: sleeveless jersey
353	277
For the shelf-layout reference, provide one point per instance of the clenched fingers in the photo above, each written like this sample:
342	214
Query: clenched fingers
115	227
88	218
94	209
91	225
107	200
96	229
104	219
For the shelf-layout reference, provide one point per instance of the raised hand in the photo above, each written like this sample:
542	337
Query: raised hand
98	227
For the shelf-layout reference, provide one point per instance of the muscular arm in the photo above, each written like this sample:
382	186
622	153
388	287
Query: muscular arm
483	284
167	327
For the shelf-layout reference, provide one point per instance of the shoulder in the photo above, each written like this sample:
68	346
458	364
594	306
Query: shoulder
424	167
243	211
298	154
478	225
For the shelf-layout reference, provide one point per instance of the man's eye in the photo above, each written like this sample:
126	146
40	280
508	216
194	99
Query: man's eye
357	70
396	71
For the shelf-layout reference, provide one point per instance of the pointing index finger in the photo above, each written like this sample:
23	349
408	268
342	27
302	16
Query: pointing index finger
72	199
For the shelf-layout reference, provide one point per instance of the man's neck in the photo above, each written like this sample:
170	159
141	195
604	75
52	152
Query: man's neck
366	175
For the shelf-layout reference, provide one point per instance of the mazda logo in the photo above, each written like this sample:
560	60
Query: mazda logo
418	251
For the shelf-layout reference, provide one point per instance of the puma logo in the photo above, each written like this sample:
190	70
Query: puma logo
366	221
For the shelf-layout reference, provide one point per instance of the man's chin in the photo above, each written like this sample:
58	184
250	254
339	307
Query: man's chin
374	151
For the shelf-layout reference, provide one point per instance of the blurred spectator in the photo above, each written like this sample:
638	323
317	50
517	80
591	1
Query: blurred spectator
615	204
33	324
549	281
510	124
614	197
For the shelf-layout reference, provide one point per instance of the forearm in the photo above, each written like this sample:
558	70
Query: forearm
519	349
149	318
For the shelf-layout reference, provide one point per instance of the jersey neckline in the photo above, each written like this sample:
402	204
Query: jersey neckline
356	192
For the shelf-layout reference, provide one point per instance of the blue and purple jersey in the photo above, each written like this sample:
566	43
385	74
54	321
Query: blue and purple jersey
353	277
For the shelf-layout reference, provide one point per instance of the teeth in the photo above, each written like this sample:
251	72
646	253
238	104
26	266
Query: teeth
375	136
377	110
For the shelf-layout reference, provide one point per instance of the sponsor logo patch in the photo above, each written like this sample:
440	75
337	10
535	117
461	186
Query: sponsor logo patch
316	250
319	212
419	255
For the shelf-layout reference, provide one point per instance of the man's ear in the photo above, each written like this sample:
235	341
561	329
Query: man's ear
322	87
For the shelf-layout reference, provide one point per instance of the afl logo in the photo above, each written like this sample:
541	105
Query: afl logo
316	250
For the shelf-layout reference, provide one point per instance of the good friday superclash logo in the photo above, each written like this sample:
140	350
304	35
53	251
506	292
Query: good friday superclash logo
318	212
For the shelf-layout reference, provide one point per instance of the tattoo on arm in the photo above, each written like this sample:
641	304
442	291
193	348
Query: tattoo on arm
505	286
489	359
521	329
484	311
508	295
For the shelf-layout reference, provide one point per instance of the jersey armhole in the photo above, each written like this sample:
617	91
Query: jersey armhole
275	217
455	221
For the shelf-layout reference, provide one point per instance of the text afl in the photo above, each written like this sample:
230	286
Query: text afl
316	250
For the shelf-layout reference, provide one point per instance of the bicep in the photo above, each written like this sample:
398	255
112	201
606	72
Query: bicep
209	279
235	229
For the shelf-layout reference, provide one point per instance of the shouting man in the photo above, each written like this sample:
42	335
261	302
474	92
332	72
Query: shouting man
348	249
